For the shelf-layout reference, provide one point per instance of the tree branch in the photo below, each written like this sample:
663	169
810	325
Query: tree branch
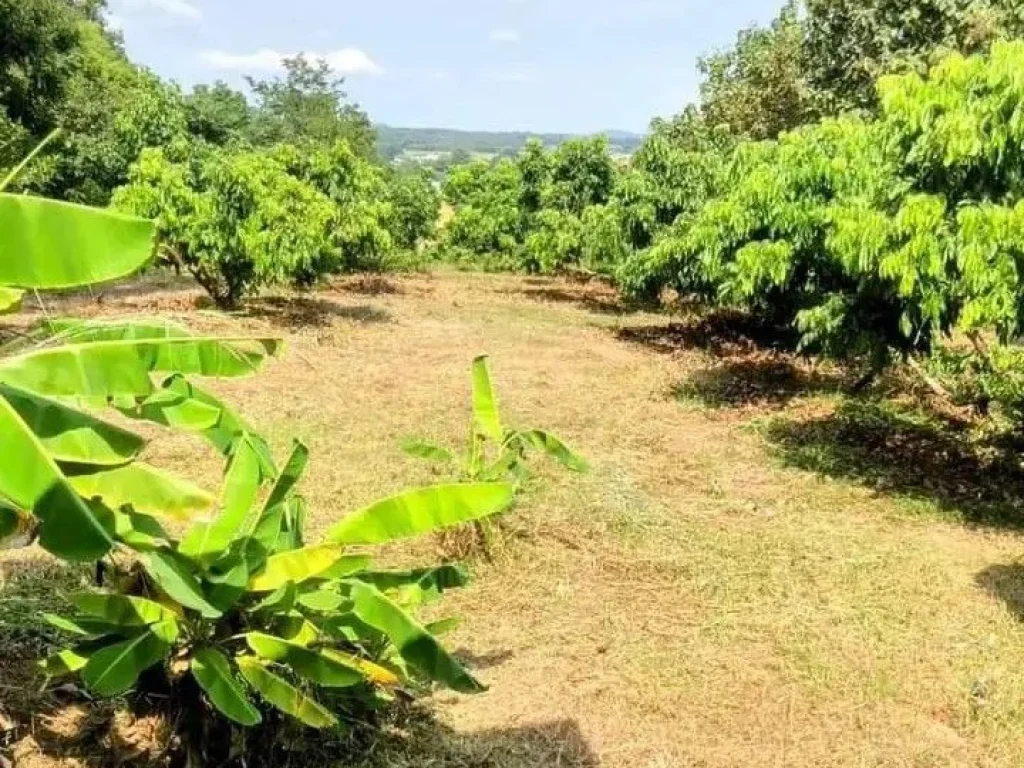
932	383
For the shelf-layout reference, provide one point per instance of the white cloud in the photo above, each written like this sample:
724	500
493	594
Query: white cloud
351	61
179	9
504	36
344	61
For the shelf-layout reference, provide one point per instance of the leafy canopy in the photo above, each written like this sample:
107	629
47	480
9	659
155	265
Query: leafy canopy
308	105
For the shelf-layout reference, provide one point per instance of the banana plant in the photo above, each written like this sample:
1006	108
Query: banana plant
237	605
494	452
240	615
66	458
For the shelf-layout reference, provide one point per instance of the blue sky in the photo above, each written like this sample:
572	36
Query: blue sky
540	65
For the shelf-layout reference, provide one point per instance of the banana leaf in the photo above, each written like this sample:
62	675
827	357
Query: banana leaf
70	435
142	487
111	368
485	402
114	669
414	644
49	244
284	695
307	663
67	526
212	671
422	511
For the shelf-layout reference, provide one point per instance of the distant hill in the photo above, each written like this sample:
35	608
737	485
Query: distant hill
393	141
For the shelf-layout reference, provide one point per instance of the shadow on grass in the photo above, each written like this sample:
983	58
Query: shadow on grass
719	332
154	281
754	382
311	312
155	290
86	737
482	661
367	285
598	299
904	452
1005	582
420	740
31	586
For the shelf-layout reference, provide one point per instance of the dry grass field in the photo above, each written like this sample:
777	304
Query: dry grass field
756	572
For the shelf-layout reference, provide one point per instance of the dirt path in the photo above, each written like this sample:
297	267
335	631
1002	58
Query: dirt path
691	601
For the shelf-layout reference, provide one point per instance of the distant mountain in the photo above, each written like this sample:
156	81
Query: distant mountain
616	137
394	141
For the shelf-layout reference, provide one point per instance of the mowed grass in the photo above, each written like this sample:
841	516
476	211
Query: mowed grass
723	589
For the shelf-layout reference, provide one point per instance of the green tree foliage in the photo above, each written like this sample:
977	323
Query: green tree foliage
37	50
217	113
849	44
573	207
237	221
527	212
675	171
114	110
358	191
823	57
238	218
874	236
535	172
309	105
959	134
79	80
581	174
554	241
689	131
415	204
673	174
487	221
605	239
243	219
769	241
756	88
61	67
